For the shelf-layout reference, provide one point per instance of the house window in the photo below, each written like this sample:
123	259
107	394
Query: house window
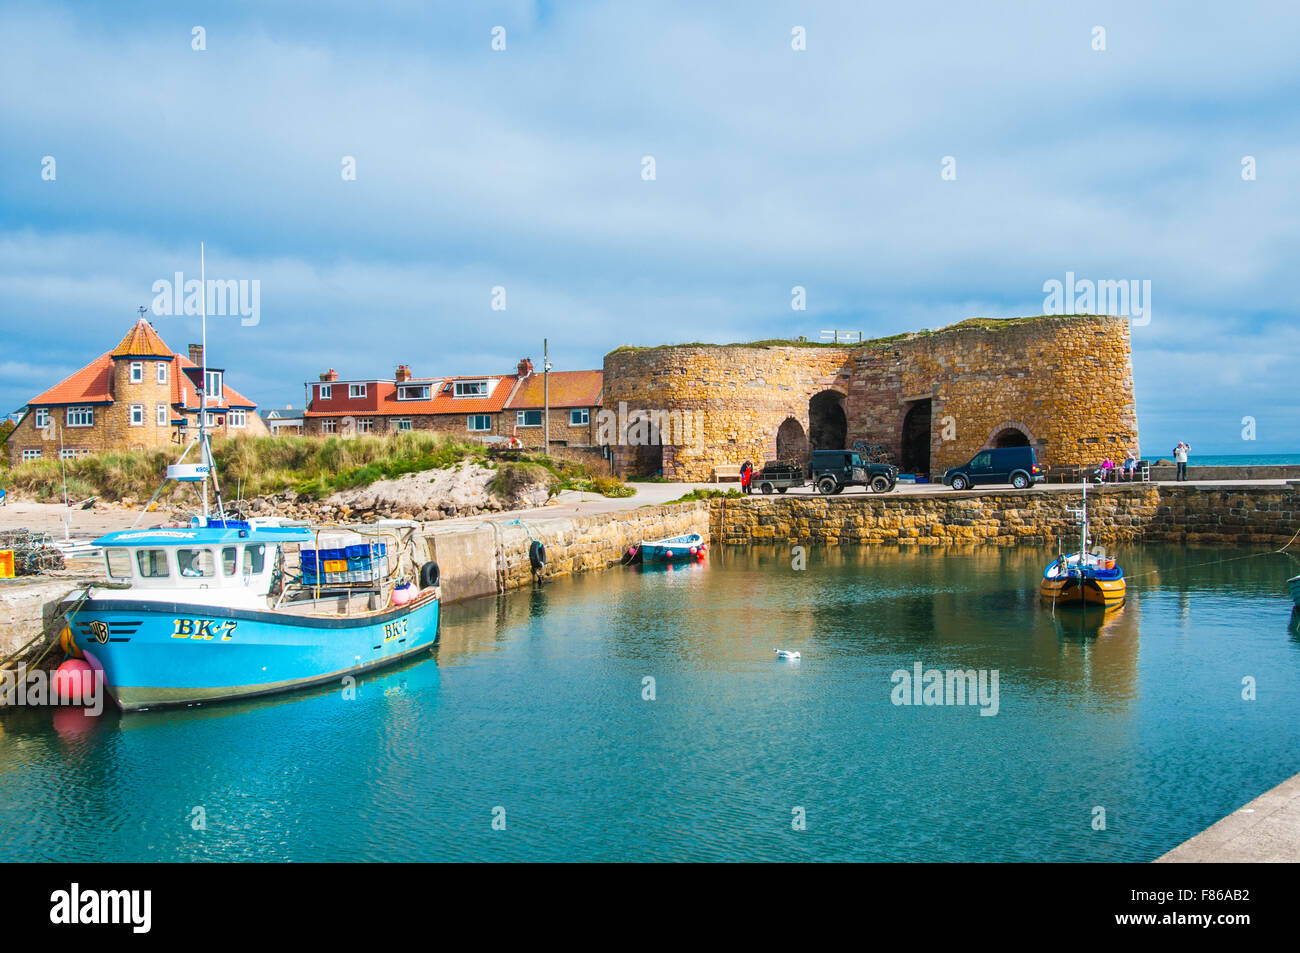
356	390
162	415
31	455
214	384
327	426
529	418
69	453
365	425
324	391
580	417
137	415
137	372
212	419
42	418
238	418
477	423
402	423
471	389
413	392
81	417
162	373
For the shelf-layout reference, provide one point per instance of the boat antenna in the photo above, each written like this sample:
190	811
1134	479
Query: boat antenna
205	455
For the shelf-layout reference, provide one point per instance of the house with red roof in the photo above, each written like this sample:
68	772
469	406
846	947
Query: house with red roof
489	407
137	396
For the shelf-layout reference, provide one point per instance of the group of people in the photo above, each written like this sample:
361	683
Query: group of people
1108	471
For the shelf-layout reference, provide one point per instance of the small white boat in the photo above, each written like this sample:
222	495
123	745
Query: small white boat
787	655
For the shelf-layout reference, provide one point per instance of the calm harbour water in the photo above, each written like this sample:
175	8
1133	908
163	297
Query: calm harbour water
533	703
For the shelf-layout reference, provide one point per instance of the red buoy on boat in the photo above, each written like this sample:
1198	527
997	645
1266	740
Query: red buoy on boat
74	681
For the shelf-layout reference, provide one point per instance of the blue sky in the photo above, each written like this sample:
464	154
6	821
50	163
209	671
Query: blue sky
774	168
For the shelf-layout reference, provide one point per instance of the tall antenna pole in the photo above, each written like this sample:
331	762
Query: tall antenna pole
205	454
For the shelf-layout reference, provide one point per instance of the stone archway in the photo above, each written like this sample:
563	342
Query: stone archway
828	425
792	442
916	438
1010	433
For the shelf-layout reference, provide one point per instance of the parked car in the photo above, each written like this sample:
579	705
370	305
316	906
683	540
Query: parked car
779	476
833	470
1015	465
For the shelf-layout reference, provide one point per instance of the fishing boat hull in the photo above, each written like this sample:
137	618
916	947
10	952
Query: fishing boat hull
689	546
1294	583
159	654
1084	590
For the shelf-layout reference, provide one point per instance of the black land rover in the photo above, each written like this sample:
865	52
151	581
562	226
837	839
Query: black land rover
832	470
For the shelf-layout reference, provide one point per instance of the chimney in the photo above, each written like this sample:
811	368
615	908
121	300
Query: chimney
525	367
196	354
330	375
403	373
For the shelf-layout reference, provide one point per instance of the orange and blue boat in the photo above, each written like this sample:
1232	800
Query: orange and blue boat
1083	577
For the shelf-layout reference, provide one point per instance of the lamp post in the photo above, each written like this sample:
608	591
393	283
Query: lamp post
546	397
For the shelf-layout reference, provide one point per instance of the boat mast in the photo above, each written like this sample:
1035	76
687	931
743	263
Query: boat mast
204	455
1083	532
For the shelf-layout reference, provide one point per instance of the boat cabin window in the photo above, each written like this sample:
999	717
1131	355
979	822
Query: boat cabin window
254	559
195	563
118	563
152	563
229	560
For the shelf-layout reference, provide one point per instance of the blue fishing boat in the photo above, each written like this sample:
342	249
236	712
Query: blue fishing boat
221	608
209	613
689	546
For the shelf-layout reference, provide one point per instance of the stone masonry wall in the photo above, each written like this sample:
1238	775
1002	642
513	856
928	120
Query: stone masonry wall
1065	383
1234	516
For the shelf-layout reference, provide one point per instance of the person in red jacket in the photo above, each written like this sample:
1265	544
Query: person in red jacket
746	477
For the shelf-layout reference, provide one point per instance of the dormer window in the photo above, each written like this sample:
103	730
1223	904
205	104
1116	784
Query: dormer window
137	372
214	385
413	392
323	391
471	388
356	390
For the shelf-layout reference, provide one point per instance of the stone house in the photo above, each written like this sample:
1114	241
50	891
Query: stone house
138	396
575	398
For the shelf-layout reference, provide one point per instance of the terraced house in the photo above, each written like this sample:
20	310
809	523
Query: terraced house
490	408
137	396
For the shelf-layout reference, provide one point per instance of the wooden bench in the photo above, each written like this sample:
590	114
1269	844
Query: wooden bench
726	473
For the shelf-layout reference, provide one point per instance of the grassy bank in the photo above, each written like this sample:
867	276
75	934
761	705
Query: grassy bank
259	466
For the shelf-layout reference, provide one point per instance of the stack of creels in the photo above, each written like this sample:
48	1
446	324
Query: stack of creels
33	552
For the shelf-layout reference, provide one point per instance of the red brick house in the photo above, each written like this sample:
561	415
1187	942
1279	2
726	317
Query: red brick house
137	396
485	407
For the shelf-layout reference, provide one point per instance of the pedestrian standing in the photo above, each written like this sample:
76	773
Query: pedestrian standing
1180	458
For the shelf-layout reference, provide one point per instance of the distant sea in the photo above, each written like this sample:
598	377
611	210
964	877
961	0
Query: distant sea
1195	459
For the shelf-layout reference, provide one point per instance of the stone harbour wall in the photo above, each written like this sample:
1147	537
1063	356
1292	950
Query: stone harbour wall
1235	516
